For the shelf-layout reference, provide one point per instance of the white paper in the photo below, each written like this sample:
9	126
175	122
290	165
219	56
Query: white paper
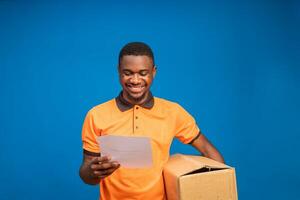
130	152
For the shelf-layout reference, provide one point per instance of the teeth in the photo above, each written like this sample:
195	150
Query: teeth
136	86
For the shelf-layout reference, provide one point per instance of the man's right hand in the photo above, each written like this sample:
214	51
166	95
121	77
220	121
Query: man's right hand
95	168
101	167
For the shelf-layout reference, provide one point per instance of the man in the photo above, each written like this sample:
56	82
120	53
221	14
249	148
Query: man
135	112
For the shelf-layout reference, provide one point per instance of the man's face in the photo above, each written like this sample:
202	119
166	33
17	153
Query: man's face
136	75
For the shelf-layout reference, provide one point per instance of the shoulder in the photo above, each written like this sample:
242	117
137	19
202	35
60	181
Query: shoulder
103	108
167	104
172	108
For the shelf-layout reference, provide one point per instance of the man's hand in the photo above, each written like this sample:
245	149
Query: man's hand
102	167
93	169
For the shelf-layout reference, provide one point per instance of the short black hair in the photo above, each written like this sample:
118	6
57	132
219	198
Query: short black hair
136	49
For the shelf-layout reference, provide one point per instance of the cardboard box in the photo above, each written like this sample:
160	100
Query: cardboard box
198	178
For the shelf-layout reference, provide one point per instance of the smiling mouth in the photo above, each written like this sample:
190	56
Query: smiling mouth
135	88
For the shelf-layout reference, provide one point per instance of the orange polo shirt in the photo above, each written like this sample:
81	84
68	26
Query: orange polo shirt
158	119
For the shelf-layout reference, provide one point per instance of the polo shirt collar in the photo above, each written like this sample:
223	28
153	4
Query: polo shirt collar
124	105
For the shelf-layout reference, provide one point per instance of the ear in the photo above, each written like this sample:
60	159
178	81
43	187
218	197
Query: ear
154	71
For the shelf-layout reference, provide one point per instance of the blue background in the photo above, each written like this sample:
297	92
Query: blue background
234	66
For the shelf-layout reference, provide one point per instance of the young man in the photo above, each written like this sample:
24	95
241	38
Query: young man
135	112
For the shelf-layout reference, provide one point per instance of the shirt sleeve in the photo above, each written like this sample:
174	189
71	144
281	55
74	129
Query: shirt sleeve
186	127
89	134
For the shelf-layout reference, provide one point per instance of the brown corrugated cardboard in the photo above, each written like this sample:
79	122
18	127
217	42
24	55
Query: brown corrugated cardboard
198	178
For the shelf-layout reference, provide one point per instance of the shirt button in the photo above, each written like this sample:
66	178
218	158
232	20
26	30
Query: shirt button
136	127
136	117
137	108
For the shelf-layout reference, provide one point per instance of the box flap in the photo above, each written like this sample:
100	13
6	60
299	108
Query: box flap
207	162
183	164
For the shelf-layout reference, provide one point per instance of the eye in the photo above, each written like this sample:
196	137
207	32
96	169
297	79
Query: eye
144	73
127	73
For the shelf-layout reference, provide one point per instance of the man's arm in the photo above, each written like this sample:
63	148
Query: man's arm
202	144
94	168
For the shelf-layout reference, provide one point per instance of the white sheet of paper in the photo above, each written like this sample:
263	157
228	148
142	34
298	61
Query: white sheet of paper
130	152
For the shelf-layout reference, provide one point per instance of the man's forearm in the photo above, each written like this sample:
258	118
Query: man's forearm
213	153
207	149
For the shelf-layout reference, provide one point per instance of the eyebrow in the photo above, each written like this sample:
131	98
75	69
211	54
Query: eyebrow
138	71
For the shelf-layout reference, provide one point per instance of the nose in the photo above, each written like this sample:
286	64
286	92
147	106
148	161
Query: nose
135	79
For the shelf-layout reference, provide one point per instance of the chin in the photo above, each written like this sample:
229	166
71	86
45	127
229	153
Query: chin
136	97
